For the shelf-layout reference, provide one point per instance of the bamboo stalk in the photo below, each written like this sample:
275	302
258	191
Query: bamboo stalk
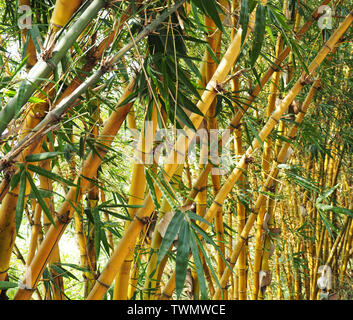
136	226
136	197
261	197
65	212
42	68
329	45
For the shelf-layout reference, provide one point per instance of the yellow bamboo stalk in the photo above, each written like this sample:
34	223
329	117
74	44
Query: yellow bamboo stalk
214	37
65	212
63	11
329	45
136	197
142	215
268	183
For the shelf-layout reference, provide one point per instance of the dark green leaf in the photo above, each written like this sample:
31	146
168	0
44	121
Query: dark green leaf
260	29
40	199
41	156
182	258
49	174
20	200
170	234
198	266
4	285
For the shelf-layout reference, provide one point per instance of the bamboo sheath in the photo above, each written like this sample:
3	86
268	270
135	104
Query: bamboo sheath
65	212
142	214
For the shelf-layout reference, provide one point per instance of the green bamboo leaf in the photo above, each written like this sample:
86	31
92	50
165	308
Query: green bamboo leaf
20	200
327	223
189	105
209	7
49	174
149	182
209	240
198	265
326	194
41	156
170	234
4	285
208	261
97	231
63	272
244	18
16	177
184	118
40	199
182	258
74	266
260	29
165	188
193	215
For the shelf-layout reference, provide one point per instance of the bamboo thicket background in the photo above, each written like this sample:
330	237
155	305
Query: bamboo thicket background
110	188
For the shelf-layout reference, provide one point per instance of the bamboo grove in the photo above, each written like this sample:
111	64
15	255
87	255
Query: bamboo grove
186	149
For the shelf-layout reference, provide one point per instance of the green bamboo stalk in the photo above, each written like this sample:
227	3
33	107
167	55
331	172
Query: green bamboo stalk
43	68
64	105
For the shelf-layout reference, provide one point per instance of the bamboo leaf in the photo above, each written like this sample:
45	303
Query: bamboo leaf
210	9
198	265
172	231
193	215
49	174
182	256
149	182
40	199
20	200
205	255
260	29
244	18
41	156
63	272
97	231
209	240
4	285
